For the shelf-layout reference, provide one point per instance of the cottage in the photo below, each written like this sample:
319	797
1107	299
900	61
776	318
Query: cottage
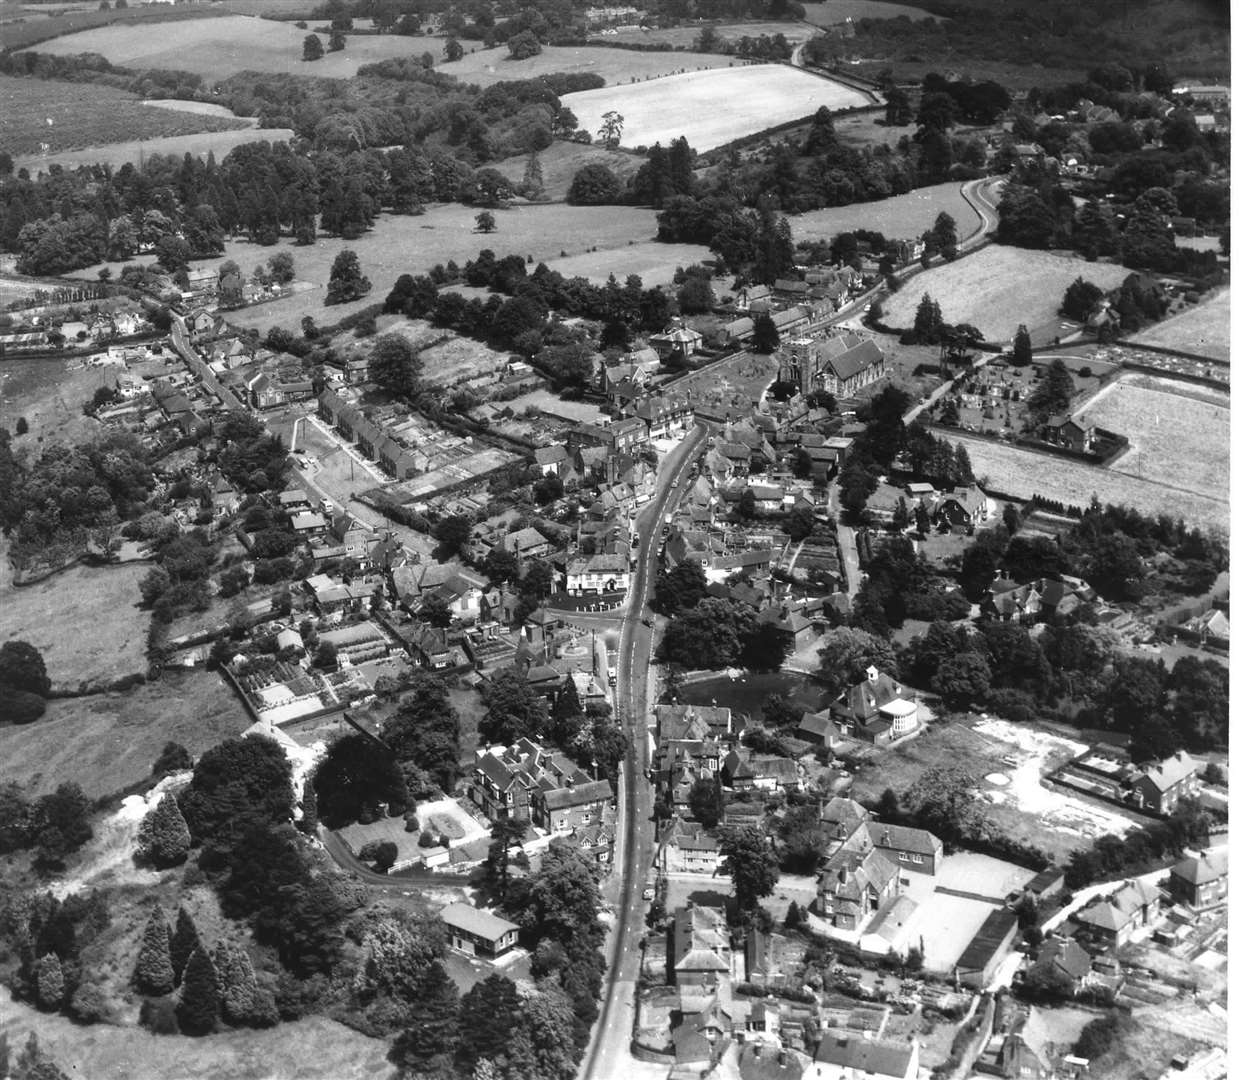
688	848
551	460
478	932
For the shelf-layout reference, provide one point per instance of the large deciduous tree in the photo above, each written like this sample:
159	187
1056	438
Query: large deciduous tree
752	864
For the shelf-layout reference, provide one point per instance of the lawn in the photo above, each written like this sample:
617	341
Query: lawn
38	113
1024	473
899	216
413	244
1180	434
562	159
311	1049
1203	329
85	621
734	385
711	107
998	288
117	154
107	741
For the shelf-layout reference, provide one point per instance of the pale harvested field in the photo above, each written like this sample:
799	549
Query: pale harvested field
1180	434
1203	329
412	245
998	288
900	216
85	621
119	153
711	107
1023	473
219	47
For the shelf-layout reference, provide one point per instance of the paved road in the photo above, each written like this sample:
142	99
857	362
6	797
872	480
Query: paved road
180	342
608	1055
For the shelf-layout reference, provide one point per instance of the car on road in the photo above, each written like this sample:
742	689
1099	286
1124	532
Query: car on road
646	621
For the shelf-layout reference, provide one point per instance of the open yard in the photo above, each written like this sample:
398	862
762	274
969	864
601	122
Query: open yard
413	244
314	1049
1024	473
86	622
732	386
711	107
38	113
108	741
1180	434
899	216
998	288
1203	329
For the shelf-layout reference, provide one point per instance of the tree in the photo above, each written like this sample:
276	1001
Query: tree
963	679
945	235
533	186
184	941
524	45
611	130
427	1047
62	823
394	364
803	841
489	1012
704	801
452	50
235	783
50	982
22	668
1021	348
504	833
309	807
163	837
943	800
238	987
752	864
1054	393
356	775
898	107
927	324
765	334
312	47
800	523
847	654
281	267
453	533
153	973
347	281
680	588
594	185
513	710
336	41
485	222
198	1007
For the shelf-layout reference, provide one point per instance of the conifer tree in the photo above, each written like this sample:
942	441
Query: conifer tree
1021	348
237	984
163	838
50	982
533	187
488	1013
184	941
309	807
153	972
199	1005
429	1044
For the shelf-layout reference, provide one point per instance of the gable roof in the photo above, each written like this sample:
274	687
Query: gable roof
881	1057
476	921
1174	770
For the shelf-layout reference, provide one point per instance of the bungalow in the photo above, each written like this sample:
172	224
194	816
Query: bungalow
308	524
1200	881
478	932
1066	432
1067	959
1159	787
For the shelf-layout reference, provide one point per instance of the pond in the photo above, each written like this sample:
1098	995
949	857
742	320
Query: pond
748	693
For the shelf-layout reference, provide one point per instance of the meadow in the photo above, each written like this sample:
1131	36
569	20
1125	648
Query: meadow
562	159
1180	434
683	37
117	154
1024	473
50	395
837	11
1203	329
218	47
711	107
998	288
898	217
67	116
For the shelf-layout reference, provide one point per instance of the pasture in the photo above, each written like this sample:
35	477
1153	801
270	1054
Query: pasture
1180	434
651	261
484	67
50	395
67	116
683	37
900	216
85	621
1024	473
106	742
117	154
837	11
413	244
998	288
562	159
1202	329
711	107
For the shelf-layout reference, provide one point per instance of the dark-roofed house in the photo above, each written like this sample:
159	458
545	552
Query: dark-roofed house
851	1056
1160	787
687	848
817	729
700	948
551	460
1114	919
875	710
1067	958
912	849
1200	881
1066	432
961	507
478	932
571	807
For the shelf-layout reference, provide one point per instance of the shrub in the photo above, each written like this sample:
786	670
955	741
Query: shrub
158	1016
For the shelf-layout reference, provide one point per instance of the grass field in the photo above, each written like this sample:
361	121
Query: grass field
107	741
711	107
1180	434
837	11
219	47
1023	473
67	116
561	160
653	262
85	621
118	153
50	395
683	37
998	288
1203	329
899	216
399	245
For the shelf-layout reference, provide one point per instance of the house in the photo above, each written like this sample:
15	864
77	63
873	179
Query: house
751	295
678	342
1158	788
875	710
851	1055
1067	959
910	849
526	543
396	459
308	524
1200	881
478	932
597	574
1027	1049
1066	432
551	460
687	847
743	771
700	954
428	645
459	588
961	508
665	415
1116	918
817	729
572	807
